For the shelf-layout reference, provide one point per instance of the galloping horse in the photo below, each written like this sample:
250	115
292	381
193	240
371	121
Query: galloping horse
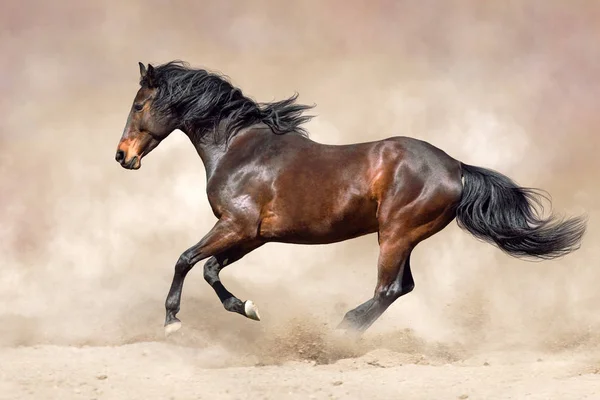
268	182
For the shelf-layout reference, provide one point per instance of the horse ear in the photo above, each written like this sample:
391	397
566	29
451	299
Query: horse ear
147	74
150	76
142	70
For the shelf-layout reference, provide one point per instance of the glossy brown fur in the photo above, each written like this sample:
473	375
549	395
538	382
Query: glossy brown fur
265	187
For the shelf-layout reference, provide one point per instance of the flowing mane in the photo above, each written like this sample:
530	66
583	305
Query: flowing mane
205	100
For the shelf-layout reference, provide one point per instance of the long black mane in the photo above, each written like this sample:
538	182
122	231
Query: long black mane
203	100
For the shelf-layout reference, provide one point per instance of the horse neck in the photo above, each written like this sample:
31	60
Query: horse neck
210	146
213	145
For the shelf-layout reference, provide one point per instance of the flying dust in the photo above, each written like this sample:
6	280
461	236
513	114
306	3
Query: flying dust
88	249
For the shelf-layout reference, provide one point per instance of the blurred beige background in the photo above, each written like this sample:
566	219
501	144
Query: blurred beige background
87	249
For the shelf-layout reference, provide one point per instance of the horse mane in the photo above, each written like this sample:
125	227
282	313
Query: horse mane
203	100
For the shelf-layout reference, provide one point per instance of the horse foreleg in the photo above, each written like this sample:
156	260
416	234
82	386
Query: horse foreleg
213	267
224	236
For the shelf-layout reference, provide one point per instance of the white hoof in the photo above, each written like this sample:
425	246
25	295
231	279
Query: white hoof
251	311
172	328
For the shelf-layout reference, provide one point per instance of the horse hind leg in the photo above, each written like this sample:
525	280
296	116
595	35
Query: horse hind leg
394	279
396	242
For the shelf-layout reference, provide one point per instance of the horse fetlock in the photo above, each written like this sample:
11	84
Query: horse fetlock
172	306
210	278
234	304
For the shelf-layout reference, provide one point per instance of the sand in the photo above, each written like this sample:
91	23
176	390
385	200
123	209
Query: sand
156	370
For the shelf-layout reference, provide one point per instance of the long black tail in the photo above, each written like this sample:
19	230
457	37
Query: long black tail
495	209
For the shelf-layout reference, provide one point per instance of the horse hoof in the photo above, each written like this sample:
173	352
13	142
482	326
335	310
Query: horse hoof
251	311
172	328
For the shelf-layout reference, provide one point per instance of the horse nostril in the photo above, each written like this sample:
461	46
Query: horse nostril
120	156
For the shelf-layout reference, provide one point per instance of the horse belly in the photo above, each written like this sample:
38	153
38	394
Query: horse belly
320	219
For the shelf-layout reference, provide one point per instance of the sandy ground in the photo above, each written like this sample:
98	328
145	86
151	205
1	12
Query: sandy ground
155	370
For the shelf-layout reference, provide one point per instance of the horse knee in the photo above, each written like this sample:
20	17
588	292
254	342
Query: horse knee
208	277
183	265
211	274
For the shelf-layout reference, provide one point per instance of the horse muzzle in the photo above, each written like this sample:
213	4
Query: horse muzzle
133	163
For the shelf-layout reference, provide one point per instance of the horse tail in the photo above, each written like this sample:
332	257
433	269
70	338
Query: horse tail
495	209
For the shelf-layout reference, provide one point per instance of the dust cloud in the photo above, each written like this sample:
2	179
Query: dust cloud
88	249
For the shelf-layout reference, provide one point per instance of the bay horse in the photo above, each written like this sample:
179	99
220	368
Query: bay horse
268	182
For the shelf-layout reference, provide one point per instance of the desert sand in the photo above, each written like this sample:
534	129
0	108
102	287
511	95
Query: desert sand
87	248
161	371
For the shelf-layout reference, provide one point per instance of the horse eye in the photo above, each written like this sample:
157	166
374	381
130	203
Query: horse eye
138	107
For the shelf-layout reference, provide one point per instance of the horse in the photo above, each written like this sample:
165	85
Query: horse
267	181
